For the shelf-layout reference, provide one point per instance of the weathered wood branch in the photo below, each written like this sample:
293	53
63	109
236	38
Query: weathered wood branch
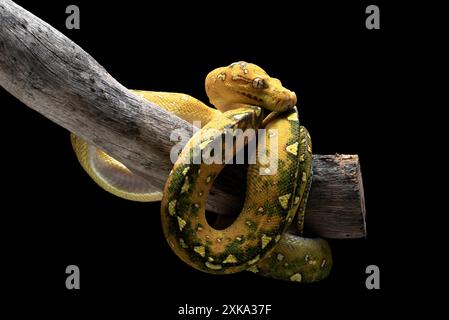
52	75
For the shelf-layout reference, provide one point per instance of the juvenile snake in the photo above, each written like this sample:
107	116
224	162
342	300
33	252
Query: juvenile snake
259	240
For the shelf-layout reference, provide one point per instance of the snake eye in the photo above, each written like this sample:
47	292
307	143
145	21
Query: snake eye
258	83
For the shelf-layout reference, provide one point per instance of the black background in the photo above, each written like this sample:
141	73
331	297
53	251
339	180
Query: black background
345	77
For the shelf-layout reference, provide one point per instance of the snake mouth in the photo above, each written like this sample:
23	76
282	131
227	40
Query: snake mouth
252	97
284	101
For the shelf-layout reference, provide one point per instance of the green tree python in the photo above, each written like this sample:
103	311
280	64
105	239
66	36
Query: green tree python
266	237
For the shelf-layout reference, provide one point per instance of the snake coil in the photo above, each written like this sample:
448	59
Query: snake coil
262	239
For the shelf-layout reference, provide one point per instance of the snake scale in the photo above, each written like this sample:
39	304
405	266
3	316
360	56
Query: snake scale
266	237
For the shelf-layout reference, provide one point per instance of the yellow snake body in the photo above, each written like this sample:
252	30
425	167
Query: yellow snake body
112	175
258	239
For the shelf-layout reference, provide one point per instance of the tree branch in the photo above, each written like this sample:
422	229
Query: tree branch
55	77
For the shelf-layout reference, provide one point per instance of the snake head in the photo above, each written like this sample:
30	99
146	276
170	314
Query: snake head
246	83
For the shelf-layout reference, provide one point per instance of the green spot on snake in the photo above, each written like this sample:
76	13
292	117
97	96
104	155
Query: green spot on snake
296	277
230	259
293	148
251	224
181	223
304	177
200	250
185	186
172	207
222	76
182	243
253	269
283	200
213	266
265	240
293	117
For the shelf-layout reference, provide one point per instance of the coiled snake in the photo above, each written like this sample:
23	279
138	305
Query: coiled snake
258	240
